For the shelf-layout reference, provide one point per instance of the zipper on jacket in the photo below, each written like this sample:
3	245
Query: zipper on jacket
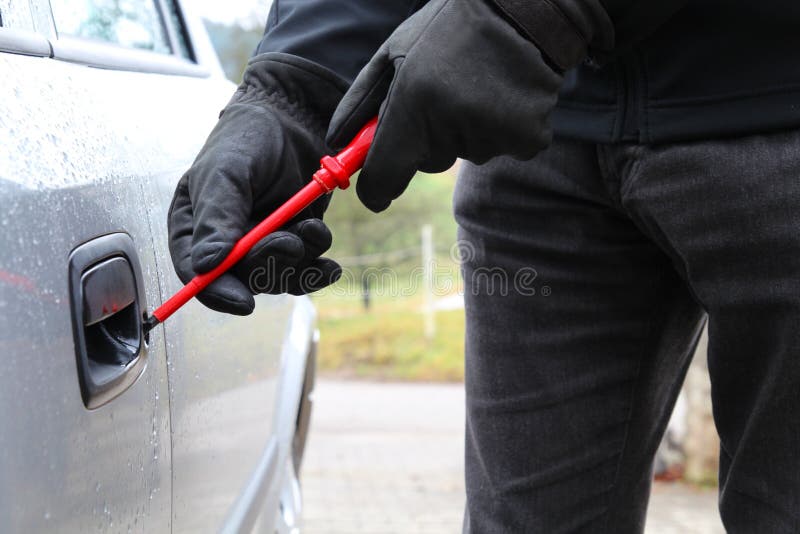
632	75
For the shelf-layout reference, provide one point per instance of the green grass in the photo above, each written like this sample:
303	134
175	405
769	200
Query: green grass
388	342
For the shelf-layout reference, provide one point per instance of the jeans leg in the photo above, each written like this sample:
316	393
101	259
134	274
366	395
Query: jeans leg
728	212
579	332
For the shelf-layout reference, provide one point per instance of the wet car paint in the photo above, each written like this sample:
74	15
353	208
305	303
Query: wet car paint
86	152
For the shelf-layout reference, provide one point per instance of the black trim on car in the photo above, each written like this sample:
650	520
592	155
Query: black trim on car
303	421
176	35
124	360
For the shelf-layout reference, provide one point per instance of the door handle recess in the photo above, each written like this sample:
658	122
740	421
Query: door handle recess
108	303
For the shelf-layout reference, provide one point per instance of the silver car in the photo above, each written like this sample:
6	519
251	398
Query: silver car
197	427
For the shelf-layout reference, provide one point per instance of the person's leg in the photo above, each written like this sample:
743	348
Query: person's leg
579	332
728	212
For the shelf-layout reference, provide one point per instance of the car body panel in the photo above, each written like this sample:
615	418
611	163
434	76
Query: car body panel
225	381
202	440
62	184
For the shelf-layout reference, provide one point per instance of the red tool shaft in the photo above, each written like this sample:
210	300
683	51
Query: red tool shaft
335	171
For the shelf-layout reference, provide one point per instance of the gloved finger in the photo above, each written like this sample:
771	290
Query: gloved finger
226	294
273	278
394	157
179	228
316	236
296	279
318	207
319	273
229	295
362	101
222	199
438	162
271	265
271	255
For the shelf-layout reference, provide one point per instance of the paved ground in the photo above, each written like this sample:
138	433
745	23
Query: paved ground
387	458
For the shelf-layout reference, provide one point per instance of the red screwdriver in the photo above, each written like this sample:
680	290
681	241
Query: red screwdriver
335	171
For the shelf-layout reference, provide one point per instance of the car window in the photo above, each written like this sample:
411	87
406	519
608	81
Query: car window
15	15
19	32
181	35
128	23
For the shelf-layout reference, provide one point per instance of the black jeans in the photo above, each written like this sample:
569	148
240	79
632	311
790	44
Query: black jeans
573	368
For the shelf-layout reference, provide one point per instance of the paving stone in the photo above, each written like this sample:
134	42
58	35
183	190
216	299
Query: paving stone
387	458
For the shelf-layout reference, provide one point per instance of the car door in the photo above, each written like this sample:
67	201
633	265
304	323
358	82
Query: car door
84	405
105	103
226	373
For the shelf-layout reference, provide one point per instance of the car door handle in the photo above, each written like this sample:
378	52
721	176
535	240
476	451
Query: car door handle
107	303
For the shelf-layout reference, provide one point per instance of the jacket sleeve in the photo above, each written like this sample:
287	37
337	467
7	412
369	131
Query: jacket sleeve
569	31
341	35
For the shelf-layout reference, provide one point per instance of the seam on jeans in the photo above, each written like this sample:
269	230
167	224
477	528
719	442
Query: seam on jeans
514	486
609	174
512	407
648	332
668	247
793	519
654	231
470	435
633	174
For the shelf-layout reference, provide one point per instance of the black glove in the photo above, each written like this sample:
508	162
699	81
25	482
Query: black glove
456	79
265	147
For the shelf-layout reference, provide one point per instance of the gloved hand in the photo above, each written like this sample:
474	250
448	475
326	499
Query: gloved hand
456	79
265	147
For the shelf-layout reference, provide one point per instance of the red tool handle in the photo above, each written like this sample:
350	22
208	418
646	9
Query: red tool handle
335	171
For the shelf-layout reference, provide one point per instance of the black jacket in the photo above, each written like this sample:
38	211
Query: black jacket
667	70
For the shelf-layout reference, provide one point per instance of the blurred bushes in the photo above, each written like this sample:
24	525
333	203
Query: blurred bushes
234	45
